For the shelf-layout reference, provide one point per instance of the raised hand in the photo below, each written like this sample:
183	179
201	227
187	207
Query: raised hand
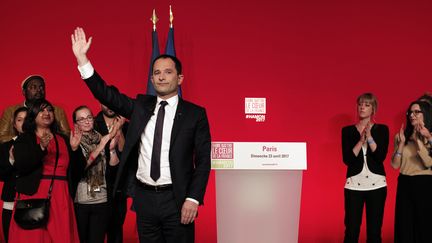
80	45
75	138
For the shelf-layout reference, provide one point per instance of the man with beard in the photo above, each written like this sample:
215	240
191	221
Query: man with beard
33	88
104	122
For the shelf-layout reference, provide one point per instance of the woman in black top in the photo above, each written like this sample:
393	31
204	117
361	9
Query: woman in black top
7	171
364	149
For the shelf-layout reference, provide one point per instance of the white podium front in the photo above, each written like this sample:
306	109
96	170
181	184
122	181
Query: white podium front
258	191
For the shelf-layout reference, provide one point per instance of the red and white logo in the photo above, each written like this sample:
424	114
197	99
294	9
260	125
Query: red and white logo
255	108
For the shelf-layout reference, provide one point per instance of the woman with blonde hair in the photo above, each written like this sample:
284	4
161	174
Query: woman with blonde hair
93	197
364	149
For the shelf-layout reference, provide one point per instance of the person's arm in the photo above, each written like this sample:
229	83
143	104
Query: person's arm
98	150
121	135
6	162
423	153
198	184
202	144
399	143
105	94
350	146
28	154
380	142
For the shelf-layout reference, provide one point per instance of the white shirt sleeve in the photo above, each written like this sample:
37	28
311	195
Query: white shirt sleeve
192	200
86	70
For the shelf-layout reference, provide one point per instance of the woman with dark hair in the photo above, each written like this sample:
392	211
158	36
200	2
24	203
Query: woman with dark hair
7	171
364	149
36	162
94	186
413	214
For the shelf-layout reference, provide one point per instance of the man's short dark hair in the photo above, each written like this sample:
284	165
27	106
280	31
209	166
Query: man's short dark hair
177	63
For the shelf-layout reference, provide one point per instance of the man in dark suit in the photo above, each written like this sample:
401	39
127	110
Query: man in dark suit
171	139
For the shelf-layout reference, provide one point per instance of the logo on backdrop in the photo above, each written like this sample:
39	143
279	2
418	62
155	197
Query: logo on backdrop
255	108
222	155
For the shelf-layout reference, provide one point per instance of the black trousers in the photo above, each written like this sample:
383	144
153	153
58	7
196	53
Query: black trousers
355	201
118	216
158	218
6	219
92	221
413	216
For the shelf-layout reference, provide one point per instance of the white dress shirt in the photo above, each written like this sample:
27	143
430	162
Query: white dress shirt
146	146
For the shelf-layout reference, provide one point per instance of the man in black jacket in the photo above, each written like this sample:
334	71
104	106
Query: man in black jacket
172	139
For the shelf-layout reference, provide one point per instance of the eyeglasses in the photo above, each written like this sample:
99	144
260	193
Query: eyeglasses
415	112
84	119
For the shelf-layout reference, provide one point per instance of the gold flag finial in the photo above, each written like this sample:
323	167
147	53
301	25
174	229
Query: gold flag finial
154	19
171	18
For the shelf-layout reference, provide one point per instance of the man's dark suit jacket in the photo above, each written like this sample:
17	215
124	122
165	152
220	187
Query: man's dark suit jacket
190	144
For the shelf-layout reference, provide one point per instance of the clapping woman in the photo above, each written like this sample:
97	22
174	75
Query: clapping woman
364	149
35	153
413	214
7	171
94	190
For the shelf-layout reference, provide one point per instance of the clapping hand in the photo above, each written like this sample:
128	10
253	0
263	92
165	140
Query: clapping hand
75	138
45	139
367	130
119	121
400	136
363	136
422	130
115	133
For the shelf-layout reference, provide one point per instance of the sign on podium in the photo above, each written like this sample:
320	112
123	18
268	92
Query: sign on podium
258	190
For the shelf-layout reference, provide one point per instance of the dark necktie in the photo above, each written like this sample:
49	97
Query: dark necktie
157	143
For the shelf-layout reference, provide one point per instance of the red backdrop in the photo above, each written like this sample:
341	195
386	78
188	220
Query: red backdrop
310	59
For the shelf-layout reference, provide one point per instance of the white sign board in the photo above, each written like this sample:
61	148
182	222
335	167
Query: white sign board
258	155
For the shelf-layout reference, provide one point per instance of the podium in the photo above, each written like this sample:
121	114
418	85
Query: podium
258	191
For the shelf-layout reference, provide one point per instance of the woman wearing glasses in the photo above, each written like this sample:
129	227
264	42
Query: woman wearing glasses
413	216
364	149
93	192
